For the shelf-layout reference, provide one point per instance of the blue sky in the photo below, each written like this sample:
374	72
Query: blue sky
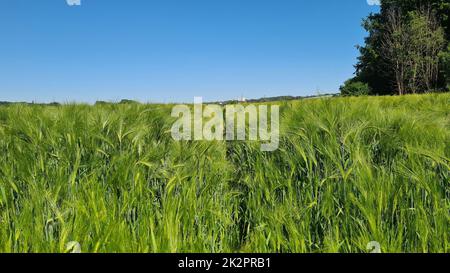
171	51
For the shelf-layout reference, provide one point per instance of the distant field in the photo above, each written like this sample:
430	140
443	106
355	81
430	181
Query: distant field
349	171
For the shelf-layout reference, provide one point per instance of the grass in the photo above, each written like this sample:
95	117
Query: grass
348	171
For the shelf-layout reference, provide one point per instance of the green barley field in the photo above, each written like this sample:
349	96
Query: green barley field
110	177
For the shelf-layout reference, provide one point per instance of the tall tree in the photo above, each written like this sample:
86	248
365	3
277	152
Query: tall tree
395	48
401	66
427	41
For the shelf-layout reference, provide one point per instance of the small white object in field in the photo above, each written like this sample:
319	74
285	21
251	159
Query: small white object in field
374	247
73	247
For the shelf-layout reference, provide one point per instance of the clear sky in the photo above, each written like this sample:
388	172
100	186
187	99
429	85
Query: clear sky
173	50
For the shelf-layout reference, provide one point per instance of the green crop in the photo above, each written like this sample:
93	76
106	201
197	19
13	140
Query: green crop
109	178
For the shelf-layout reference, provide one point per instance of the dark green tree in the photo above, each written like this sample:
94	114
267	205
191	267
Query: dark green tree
376	69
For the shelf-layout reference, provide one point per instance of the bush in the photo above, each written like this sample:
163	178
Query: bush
125	101
355	88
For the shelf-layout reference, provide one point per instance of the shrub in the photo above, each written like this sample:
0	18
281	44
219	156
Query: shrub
355	88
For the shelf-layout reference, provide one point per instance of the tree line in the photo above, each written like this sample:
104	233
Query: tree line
406	51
